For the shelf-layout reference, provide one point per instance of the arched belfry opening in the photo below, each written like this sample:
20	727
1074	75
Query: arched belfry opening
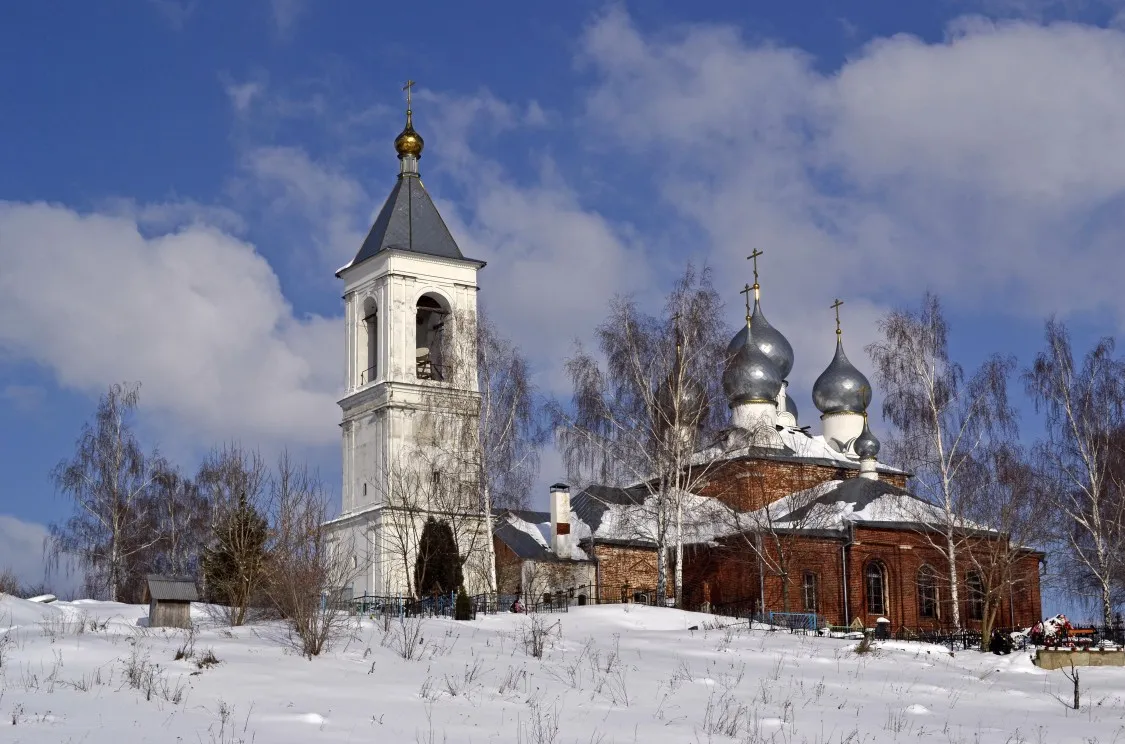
371	339
431	337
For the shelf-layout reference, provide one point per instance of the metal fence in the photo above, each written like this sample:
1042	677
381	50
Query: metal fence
444	605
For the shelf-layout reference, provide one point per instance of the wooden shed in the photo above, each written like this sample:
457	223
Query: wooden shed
169	600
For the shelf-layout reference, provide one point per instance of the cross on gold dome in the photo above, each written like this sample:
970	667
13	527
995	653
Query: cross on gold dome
836	306
407	87
409	142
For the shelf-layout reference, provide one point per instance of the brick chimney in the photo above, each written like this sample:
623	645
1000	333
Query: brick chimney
560	519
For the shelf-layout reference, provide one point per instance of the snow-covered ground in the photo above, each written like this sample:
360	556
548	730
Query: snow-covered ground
89	672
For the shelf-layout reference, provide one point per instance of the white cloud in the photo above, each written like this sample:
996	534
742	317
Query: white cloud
285	14
243	95
335	208
989	167
196	315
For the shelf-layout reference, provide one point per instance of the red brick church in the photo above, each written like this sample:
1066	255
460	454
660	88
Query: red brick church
786	520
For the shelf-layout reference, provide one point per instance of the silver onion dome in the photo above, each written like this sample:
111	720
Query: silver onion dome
750	376
866	445
791	407
770	340
683	392
841	388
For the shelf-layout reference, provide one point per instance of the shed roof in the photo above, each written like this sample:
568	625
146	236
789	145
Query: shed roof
172	588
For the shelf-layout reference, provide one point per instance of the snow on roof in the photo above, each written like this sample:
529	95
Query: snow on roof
835	504
630	515
532	540
790	443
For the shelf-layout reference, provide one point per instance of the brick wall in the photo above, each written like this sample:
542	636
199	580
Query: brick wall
751	484
509	567
623	565
730	573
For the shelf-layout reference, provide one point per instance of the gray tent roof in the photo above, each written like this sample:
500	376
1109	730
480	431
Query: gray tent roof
522	544
172	588
409	221
591	504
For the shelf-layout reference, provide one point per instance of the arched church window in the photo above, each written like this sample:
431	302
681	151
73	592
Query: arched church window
809	591
429	336
371	337
974	604
875	581
927	592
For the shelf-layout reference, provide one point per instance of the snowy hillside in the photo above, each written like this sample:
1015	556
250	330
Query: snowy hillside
88	672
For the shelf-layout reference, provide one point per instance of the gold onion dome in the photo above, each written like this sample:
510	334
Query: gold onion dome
409	142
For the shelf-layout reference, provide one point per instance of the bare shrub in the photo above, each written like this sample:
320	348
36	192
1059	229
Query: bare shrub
406	638
462	684
9	582
724	715
537	636
187	649
310	571
513	680
207	659
143	675
541	726
865	646
59	625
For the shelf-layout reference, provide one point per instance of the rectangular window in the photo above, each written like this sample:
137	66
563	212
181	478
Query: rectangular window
808	591
974	604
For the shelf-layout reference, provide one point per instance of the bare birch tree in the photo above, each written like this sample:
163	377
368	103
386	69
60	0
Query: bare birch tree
511	426
108	480
183	521
943	420
639	412
1084	411
1013	512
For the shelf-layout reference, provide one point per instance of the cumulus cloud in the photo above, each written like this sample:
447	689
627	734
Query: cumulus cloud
197	315
334	208
979	166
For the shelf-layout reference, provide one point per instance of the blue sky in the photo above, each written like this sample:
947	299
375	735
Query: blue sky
181	179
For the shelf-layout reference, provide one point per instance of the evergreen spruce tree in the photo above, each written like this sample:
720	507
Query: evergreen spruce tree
437	569
235	562
463	610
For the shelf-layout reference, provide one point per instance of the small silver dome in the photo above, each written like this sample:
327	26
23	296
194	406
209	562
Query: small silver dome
791	406
693	407
750	376
866	445
841	388
770	340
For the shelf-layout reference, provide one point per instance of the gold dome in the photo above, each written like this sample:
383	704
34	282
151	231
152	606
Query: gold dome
409	142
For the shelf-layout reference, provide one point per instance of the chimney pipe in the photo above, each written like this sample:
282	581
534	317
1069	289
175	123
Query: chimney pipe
560	519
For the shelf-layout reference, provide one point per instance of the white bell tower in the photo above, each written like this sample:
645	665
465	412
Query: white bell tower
411	400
